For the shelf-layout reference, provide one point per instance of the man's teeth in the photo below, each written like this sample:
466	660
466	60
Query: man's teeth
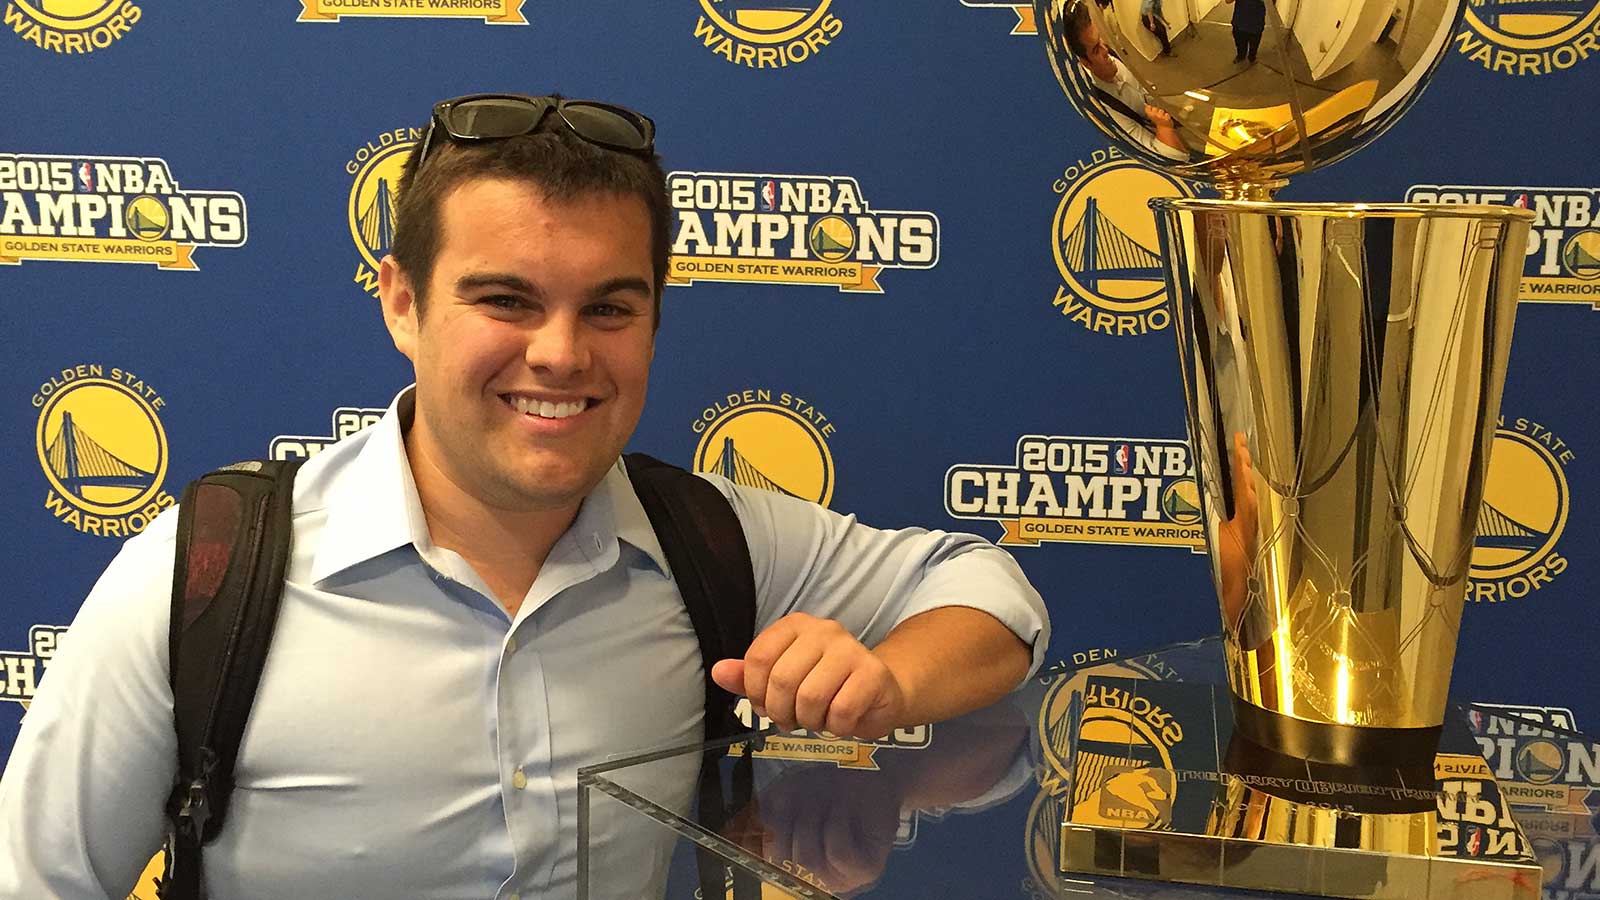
547	410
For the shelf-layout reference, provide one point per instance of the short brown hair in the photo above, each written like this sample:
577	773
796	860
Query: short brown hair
562	164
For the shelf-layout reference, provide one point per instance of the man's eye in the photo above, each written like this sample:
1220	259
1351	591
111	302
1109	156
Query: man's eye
501	301
609	310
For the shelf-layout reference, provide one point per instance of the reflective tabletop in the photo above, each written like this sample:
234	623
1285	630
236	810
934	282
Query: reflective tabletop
974	807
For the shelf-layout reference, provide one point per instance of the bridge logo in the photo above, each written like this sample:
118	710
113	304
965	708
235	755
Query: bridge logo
1084	490
110	209
773	440
1563	258
1529	37
1025	23
376	168
492	12
71	26
1525	508
1106	248
102	449
791	229
766	35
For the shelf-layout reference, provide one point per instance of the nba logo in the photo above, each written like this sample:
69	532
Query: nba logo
85	177
1475	716
1521	202
1122	459
769	195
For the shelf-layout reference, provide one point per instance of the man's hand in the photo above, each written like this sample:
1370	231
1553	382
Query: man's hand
810	673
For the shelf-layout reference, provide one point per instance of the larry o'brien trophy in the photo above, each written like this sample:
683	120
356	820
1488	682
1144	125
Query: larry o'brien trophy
1343	366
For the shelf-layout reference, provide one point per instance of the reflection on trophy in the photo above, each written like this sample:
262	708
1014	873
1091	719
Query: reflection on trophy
1342	363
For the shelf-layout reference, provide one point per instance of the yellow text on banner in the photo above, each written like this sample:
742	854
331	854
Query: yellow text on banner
494	12
844	753
1560	290
846	276
165	254
1030	531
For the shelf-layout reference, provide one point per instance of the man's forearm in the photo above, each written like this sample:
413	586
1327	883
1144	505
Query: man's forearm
952	660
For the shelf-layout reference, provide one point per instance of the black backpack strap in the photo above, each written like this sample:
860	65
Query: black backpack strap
232	553
705	546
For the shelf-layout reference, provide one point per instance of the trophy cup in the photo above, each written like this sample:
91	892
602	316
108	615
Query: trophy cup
1342	367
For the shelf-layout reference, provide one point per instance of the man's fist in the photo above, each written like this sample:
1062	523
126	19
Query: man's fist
810	673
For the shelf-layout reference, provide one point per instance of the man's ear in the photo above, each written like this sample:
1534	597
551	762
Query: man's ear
399	301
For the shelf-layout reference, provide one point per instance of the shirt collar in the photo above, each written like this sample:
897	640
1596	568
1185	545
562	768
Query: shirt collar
373	506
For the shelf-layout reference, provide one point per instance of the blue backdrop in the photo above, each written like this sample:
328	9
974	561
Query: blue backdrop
874	306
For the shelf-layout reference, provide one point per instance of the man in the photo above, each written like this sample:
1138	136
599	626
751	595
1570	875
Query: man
476	604
1154	22
1118	91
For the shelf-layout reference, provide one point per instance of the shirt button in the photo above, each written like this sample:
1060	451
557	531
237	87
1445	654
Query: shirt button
511	645
514	897
519	780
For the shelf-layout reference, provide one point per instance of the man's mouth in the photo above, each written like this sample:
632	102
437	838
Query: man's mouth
547	409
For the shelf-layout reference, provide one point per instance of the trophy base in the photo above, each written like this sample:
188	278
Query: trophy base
1345	745
1165	787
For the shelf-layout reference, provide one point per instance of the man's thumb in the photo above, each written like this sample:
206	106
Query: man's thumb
729	675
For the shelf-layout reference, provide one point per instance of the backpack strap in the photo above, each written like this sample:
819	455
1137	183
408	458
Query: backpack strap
705	545
232	553
706	548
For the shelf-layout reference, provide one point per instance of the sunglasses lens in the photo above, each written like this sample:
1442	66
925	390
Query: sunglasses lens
493	117
606	126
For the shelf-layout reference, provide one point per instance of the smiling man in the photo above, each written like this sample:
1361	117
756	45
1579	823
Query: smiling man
476	603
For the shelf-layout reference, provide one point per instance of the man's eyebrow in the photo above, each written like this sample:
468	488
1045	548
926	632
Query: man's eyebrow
475	280
623	284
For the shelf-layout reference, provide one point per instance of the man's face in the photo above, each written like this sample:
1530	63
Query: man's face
533	353
1097	56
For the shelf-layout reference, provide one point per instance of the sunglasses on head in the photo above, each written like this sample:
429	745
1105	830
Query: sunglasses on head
488	117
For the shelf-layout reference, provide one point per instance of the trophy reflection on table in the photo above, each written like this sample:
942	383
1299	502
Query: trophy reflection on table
1342	366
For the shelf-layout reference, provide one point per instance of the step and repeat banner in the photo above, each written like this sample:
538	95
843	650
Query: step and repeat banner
877	297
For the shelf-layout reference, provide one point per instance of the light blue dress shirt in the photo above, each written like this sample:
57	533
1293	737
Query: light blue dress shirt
411	739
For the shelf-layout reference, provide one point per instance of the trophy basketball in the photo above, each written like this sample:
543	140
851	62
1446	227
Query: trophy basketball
1342	367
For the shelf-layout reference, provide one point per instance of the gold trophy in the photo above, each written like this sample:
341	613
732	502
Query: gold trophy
1343	366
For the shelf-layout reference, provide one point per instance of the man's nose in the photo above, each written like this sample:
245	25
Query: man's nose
560	347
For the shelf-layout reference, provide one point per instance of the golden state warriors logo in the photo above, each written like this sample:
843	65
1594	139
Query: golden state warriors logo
102	449
1090	490
1024	12
1529	37
115	209
492	12
376	168
776	441
791	229
1105	245
764	35
1120	771
1562	264
71	26
1525	507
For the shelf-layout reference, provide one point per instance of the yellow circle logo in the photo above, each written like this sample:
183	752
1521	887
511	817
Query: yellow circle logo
1104	236
71	27
70	15
832	239
1581	254
146	218
1532	24
1525	506
768	446
761	23
1180	502
372	201
102	447
1540	761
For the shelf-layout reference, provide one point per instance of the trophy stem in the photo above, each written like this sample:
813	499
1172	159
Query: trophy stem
1342	366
